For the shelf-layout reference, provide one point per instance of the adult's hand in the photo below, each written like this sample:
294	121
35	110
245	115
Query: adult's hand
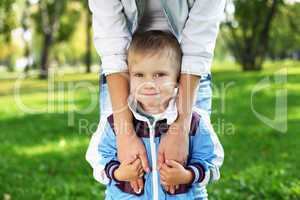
174	146
129	145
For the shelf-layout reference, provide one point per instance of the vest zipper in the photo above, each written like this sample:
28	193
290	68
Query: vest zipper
154	161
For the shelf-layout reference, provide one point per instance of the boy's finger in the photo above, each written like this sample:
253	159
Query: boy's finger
140	170
140	182
134	186
176	187
144	159
141	175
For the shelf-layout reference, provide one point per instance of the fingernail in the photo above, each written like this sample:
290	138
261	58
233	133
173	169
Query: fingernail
140	190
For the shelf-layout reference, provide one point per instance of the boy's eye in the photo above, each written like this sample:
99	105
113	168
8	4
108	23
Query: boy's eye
138	75
158	75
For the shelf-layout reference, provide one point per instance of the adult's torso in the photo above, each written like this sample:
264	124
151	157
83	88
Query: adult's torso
175	11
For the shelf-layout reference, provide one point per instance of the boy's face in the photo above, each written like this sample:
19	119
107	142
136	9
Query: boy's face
152	82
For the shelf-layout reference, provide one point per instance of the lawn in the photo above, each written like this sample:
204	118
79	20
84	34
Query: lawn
44	135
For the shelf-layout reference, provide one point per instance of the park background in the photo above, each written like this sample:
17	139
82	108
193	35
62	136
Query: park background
49	75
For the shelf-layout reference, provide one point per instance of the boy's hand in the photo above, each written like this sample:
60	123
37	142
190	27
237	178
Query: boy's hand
129	171
173	173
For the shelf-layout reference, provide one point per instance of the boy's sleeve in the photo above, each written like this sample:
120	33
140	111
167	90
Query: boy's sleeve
102	154
207	153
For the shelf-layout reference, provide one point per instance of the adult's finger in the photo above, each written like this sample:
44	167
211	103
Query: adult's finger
137	163
130	160
144	159
173	163
163	173
160	158
165	168
166	185
172	189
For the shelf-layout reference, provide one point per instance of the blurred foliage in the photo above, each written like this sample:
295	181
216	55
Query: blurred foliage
64	23
7	20
285	34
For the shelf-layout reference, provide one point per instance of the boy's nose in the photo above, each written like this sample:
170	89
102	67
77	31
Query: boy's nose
149	85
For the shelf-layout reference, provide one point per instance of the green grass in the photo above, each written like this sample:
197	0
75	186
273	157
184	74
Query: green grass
42	157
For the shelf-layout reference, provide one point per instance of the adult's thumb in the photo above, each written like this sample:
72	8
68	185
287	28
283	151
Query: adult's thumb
145	163
160	159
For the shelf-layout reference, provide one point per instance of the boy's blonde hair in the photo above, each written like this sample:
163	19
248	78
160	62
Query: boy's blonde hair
152	43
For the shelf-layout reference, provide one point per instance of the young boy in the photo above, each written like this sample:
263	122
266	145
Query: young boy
154	59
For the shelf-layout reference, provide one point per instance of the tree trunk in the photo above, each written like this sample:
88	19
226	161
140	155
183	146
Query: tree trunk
249	42
88	56
25	26
45	55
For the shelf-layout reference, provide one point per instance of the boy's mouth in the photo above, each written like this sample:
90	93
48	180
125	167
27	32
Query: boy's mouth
150	94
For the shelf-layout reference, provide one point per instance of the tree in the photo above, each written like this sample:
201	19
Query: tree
7	23
48	18
285	34
248	33
88	24
55	23
88	56
25	25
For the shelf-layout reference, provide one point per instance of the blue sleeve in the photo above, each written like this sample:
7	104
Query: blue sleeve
107	150
102	152
207	155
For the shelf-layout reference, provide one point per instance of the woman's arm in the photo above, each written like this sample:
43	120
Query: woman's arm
199	36
174	145
128	143
111	38
111	34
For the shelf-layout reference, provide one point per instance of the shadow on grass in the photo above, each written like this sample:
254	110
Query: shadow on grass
60	175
